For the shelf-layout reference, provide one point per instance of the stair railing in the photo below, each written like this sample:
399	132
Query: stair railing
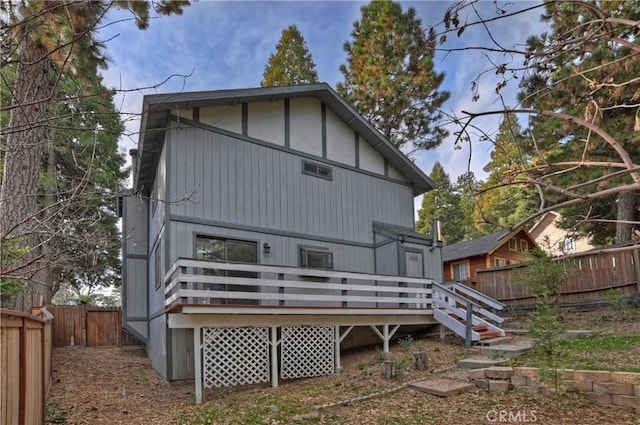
492	303
477	295
470	307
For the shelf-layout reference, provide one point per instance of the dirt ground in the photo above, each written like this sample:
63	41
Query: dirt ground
118	386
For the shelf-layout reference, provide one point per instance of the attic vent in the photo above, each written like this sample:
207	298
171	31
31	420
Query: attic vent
317	170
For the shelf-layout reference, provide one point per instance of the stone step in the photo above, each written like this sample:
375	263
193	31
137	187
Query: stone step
507	351
441	387
578	332
516	331
494	341
479	363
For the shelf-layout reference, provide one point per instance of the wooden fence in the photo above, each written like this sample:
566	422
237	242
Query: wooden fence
591	277
86	326
25	366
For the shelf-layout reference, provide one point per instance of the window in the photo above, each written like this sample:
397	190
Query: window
231	250
221	249
318	170
316	258
154	203
158	269
500	262
513	244
524	246
460	271
568	245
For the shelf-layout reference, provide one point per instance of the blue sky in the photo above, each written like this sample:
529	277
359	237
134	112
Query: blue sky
223	45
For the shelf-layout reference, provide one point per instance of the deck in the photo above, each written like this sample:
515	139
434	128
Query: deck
215	289
258	323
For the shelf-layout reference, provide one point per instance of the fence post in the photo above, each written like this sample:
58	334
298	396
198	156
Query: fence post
23	372
636	262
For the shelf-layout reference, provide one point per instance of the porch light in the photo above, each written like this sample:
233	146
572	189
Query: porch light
267	248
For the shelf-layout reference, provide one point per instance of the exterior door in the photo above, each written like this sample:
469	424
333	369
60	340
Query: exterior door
414	263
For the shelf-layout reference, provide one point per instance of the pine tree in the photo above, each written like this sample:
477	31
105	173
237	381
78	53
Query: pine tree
292	63
585	67
43	41
389	76
467	186
443	203
507	197
84	172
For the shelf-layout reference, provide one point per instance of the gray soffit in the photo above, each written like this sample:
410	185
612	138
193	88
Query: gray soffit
157	109
405	234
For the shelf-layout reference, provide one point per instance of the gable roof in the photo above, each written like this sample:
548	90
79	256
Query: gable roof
481	245
542	223
156	109
478	246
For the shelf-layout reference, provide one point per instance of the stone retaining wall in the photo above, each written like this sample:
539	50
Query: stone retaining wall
619	389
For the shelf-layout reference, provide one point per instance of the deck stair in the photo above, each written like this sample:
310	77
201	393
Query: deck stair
468	313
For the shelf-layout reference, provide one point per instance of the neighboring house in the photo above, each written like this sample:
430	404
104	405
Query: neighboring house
463	259
256	211
556	241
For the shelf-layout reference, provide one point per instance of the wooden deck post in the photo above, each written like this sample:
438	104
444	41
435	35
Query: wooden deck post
274	357
197	363
336	349
385	334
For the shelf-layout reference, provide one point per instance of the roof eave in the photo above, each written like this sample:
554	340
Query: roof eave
157	107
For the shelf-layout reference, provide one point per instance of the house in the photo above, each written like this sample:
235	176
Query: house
462	260
556	241
264	225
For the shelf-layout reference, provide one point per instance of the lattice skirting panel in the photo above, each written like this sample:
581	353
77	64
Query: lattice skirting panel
306	351
235	356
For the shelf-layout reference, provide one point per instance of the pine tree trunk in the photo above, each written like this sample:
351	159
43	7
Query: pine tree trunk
51	269
626	213
22	159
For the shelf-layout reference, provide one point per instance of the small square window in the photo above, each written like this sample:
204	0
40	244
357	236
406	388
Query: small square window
524	246
316	259
500	262
513	244
318	170
568	245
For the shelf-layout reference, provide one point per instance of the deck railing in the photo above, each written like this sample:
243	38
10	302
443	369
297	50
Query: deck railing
202	282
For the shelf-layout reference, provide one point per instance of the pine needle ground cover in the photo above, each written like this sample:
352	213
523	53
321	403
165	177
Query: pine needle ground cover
115	386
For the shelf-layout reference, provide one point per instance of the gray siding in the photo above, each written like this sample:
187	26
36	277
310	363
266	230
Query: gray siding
387	258
181	354
284	249
157	238
157	346
135	296
134	267
134	225
156	295
229	180
433	265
